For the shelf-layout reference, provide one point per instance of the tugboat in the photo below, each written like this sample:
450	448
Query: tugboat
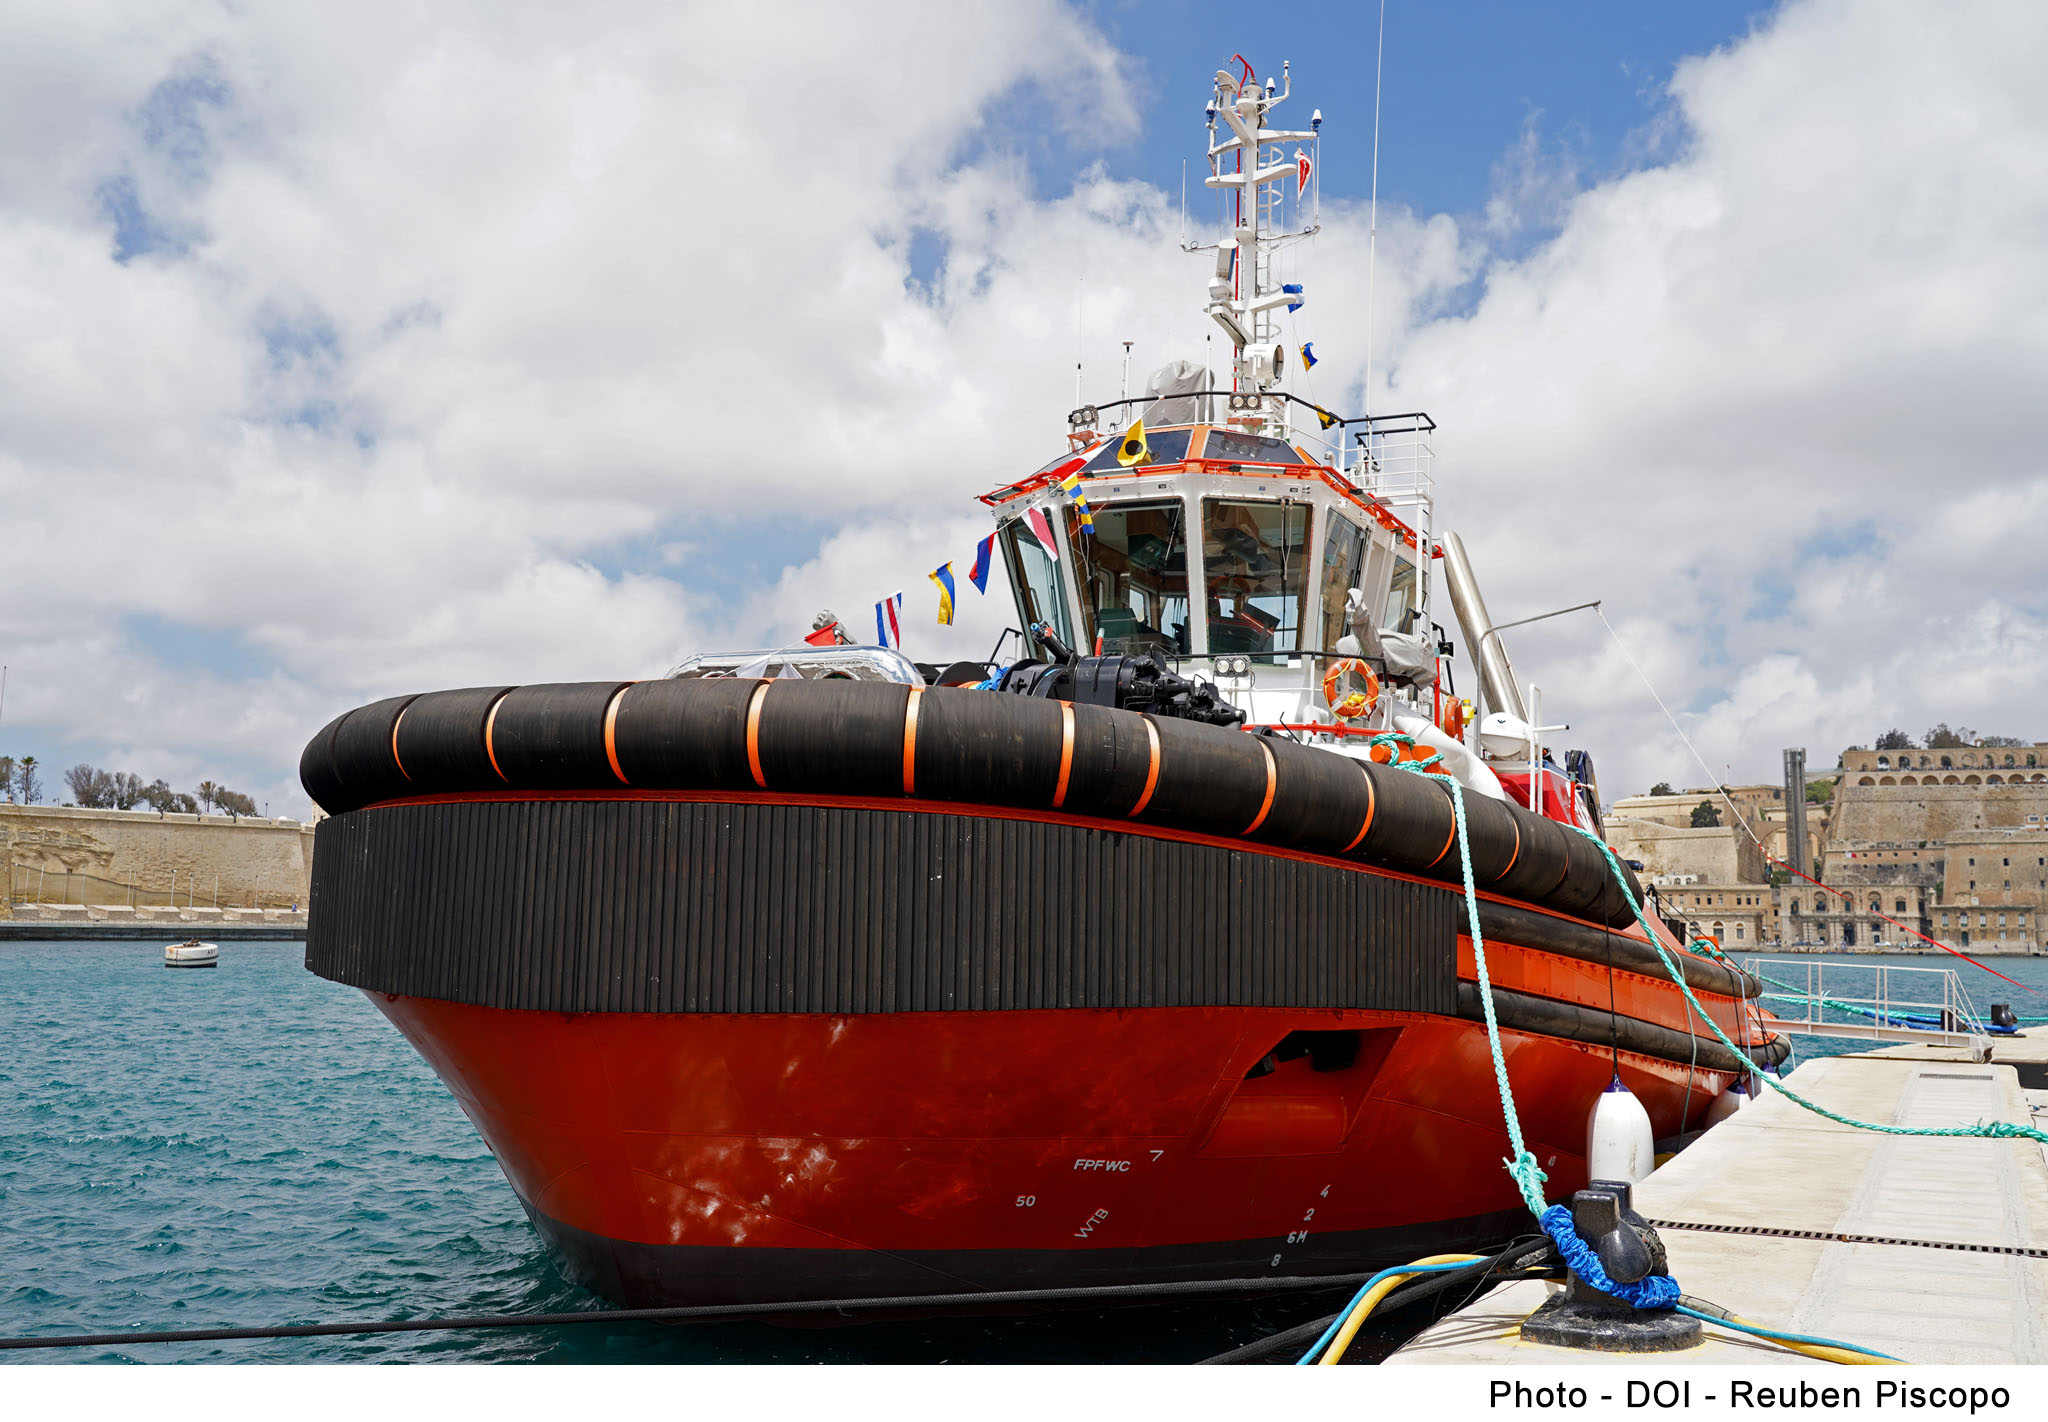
810	973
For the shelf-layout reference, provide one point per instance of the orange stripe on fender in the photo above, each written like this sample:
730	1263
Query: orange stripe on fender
1372	803
1272	781
754	732
611	738
490	723
910	741
1151	771
396	721
1059	791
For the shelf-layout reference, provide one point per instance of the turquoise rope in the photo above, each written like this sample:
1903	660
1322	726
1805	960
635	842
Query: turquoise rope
1527	1174
1987	1130
1721	1321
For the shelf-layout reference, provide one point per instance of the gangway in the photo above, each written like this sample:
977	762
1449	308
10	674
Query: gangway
1871	1002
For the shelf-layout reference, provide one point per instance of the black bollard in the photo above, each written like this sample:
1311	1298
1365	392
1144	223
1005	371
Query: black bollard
1630	1251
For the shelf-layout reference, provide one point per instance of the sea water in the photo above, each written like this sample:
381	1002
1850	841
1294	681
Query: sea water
253	1145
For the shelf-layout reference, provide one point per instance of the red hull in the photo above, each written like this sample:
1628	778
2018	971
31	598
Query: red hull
712	1158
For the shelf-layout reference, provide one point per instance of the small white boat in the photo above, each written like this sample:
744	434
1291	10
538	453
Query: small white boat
192	954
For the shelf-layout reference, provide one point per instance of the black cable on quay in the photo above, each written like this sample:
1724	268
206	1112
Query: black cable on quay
709	1313
1523	1259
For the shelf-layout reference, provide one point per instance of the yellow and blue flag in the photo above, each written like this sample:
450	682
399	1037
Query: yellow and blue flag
1308	355
943	576
1071	487
984	554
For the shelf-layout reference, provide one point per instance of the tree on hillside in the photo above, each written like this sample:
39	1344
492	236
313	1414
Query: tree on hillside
1820	792
2000	741
28	780
1894	739
1942	738
91	788
235	802
208	793
1662	787
7	778
127	789
159	796
1706	815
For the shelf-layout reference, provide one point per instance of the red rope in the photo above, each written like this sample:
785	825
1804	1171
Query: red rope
1896	924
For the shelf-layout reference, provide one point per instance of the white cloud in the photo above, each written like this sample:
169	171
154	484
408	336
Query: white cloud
472	332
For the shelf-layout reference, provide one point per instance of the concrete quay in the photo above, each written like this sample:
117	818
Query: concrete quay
58	922
1933	1249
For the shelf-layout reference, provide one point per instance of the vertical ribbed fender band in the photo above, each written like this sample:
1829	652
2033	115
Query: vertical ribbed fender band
1371	804
754	733
910	740
611	731
1152	772
490	724
1272	780
1059	791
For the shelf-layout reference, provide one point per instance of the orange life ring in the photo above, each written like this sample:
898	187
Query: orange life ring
1450	718
1351	704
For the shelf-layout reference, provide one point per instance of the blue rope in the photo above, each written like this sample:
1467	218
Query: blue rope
1655	1291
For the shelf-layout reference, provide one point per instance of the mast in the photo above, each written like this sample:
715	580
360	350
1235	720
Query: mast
1244	299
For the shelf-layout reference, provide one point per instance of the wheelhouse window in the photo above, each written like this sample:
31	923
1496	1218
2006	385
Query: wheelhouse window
1343	559
1231	447
1167	446
1400	597
1041	589
1255	562
1135	566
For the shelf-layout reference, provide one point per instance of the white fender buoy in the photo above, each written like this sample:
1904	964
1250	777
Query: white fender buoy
1728	1102
1620	1143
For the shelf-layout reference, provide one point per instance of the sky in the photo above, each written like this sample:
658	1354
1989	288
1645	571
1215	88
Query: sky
349	353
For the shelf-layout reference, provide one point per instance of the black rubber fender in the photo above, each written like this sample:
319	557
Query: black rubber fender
440	741
1000	750
1113	763
552	736
1318	807
364	752
1208	783
1590	943
836	737
684	735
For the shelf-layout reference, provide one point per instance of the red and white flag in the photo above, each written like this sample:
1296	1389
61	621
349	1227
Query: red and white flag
1041	529
1303	166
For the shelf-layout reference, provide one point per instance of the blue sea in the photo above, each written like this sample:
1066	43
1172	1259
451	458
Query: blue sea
253	1145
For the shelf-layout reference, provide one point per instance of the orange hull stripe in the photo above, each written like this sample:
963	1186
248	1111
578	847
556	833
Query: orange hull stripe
490	750
1372	803
1272	783
397	721
1059	791
754	733
1151	772
910	741
611	725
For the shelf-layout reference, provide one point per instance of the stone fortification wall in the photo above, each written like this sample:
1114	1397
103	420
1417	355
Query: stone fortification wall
106	857
1714	856
1896	814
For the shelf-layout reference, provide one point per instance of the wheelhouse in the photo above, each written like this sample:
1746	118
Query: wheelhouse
1229	550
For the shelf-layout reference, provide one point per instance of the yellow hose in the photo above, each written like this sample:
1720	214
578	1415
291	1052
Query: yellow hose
1365	1306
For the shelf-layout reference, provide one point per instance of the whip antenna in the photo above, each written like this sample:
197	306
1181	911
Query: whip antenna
1372	236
